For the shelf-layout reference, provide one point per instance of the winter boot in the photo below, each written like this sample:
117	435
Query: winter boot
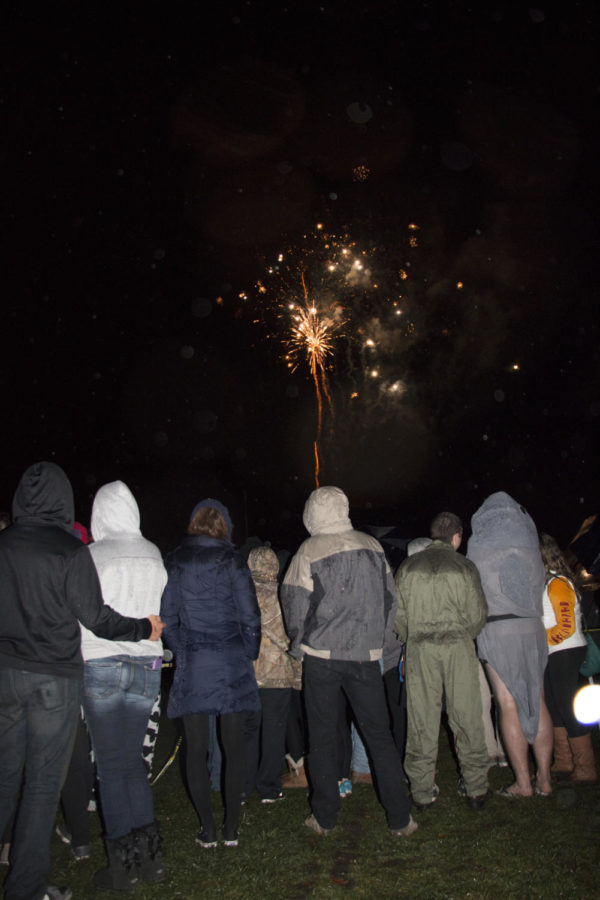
583	757
148	850
121	873
562	765
296	777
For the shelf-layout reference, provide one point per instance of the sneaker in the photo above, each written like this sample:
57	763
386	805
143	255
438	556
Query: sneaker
422	807
63	833
230	839
83	851
345	786
266	800
407	830
478	801
206	840
55	893
311	822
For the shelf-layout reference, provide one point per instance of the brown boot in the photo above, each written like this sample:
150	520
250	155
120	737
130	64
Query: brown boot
583	757
296	777
562	766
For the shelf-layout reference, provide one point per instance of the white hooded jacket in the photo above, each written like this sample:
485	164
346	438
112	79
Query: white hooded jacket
130	569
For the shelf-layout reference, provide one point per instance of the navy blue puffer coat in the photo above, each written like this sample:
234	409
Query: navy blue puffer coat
212	626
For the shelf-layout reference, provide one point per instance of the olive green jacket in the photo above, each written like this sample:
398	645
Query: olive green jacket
439	595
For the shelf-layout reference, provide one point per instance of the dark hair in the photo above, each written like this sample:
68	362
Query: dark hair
553	557
445	526
208	521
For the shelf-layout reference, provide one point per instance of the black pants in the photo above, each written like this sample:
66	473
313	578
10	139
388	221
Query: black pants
395	694
77	789
561	682
296	739
231	733
265	742
38	715
363	685
344	738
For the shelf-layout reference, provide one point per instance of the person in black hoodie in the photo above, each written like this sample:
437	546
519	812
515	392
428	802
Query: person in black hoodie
49	585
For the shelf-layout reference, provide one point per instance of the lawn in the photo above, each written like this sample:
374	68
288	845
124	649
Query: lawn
542	847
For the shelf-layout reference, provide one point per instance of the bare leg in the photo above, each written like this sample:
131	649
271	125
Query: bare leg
514	740
542	749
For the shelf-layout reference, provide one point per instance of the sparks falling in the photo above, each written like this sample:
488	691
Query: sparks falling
324	296
312	335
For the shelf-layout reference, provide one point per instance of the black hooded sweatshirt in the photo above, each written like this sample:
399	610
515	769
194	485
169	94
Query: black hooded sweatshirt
49	584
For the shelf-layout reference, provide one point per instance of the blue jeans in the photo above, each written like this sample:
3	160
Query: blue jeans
119	692
362	684
360	760
38	715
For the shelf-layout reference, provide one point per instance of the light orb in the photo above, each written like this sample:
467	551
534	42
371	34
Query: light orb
586	704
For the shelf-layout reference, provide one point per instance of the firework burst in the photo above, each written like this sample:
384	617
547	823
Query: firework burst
321	294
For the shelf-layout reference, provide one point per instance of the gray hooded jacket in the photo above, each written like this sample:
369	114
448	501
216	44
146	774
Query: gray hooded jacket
338	594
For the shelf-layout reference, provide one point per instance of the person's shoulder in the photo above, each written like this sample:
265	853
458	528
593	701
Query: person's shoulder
467	566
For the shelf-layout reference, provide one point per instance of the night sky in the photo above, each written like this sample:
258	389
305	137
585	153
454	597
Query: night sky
158	158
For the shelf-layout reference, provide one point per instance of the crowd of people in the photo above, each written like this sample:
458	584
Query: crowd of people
337	664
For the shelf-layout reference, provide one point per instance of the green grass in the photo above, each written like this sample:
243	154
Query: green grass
543	847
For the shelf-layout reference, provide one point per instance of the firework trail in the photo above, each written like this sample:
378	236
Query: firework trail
321	293
312	335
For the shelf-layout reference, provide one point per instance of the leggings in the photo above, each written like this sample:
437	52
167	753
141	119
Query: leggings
561	682
231	731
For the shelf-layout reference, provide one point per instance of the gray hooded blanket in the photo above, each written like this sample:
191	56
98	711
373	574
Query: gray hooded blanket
505	548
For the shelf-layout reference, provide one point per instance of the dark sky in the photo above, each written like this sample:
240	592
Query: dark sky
157	159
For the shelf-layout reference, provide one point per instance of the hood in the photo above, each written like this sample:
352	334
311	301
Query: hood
81	532
327	512
263	564
215	504
501	523
505	548
114	512
44	496
416	545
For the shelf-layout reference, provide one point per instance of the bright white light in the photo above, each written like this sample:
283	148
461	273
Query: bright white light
398	387
586	704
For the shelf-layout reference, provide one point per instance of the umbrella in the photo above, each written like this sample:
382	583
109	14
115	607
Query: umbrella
586	545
